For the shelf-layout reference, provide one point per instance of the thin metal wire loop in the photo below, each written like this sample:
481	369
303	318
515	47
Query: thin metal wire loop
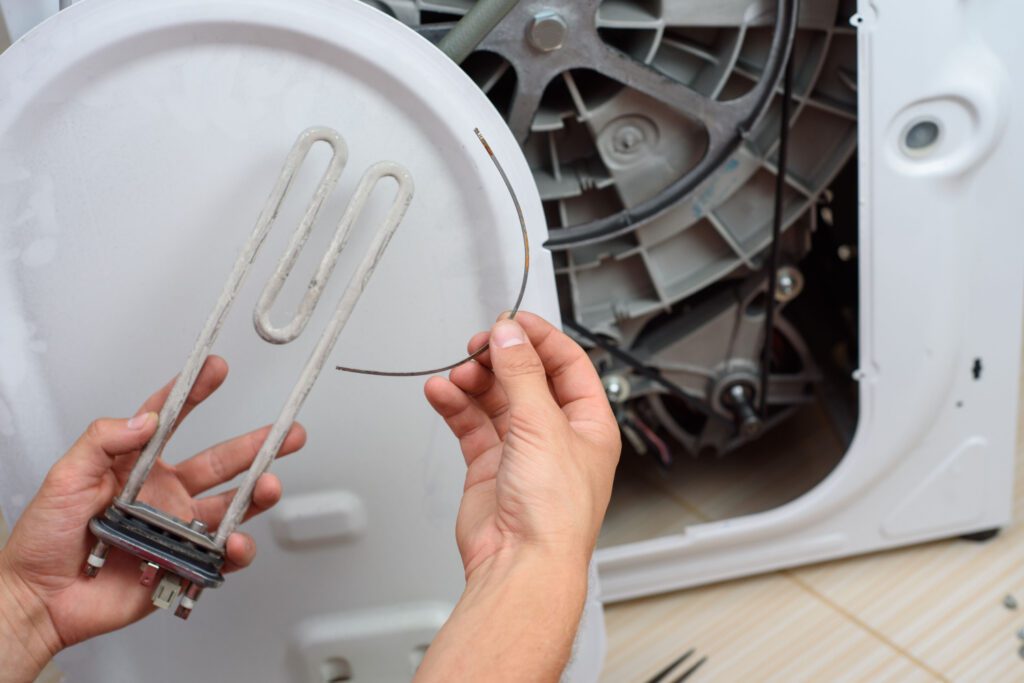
512	311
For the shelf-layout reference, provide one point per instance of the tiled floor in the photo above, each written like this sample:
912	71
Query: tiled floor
929	613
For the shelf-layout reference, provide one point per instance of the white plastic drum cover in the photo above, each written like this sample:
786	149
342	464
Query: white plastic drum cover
139	141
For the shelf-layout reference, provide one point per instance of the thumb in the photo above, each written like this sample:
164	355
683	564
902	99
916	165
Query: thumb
517	366
107	438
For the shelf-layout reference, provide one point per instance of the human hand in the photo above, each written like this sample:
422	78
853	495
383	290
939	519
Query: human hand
541	445
41	577
540	442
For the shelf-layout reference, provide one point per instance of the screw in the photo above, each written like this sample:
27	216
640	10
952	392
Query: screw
827	217
1010	602
97	558
788	284
547	31
617	388
197	525
188	601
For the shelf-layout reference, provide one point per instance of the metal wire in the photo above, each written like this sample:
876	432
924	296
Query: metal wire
512	311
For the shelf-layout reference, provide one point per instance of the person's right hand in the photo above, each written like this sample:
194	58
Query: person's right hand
541	445
539	439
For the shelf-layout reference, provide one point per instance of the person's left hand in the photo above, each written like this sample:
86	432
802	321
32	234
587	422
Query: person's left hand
41	565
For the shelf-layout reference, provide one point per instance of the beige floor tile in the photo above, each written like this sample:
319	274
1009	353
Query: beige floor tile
786	463
649	502
639	511
941	602
767	628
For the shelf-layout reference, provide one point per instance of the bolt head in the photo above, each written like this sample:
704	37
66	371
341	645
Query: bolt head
789	282
547	31
198	525
616	388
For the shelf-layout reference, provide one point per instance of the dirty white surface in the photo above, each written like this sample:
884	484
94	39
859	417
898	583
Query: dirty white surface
138	142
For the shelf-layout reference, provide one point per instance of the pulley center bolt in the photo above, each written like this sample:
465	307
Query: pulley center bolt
547	31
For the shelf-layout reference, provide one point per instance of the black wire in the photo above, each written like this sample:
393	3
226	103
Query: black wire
772	265
663	674
692	670
637	365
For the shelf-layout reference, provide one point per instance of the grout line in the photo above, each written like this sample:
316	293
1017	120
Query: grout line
680	501
670	491
821	597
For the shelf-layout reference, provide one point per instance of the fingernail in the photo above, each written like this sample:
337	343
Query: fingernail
507	333
139	421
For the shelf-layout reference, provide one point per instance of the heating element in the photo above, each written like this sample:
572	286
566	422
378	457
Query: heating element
188	557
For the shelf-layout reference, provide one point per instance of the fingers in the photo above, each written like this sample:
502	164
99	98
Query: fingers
477	341
571	374
240	551
479	383
518	367
467	420
210	377
223	462
213	508
574	380
108	438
